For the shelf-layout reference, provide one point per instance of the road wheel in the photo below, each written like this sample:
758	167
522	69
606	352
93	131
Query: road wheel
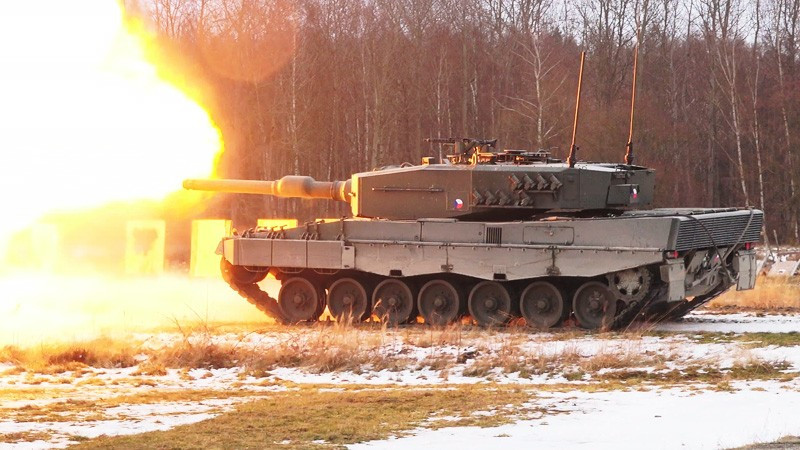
299	300
348	300
594	306
489	304
542	305
439	302
393	301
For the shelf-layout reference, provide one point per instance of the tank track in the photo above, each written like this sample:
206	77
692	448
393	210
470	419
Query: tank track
633	311
257	297
636	309
688	306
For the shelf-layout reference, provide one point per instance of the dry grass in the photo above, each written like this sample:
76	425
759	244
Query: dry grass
313	418
528	355
750	340
65	357
784	443
149	368
325	348
426	337
618	358
770	294
512	357
318	349
745	366
23	436
84	410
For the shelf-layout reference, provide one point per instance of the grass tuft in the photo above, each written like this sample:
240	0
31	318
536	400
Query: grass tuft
770	295
63	357
23	437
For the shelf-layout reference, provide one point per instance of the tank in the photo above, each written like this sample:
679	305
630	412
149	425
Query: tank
492	236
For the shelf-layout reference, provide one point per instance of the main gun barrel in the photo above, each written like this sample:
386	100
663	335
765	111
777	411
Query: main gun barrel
288	186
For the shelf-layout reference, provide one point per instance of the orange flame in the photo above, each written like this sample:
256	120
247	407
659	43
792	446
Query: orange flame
86	117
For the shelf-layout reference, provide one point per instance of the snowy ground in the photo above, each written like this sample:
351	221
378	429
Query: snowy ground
749	322
121	420
654	418
703	384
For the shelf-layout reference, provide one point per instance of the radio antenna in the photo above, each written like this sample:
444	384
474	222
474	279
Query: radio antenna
629	147
573	150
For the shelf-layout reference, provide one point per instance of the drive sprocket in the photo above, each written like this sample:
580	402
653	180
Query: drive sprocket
631	285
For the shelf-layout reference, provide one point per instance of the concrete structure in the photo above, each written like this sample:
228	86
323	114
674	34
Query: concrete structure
784	269
144	247
206	234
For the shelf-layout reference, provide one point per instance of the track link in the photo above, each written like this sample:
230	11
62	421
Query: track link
636	309
257	297
685	308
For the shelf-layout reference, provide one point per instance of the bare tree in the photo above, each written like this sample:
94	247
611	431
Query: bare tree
609	27
722	31
754	83
785	19
332	87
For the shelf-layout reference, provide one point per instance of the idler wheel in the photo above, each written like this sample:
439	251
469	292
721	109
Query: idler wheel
393	301
439	302
242	275
489	304
348	300
594	306
299	300
542	305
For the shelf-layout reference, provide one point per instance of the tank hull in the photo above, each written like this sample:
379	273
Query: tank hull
644	257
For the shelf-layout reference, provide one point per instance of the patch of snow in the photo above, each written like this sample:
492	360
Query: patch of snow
789	355
144	410
668	418
130	419
35	445
733	323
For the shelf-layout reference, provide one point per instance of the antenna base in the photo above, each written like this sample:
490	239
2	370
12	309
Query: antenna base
573	155
629	153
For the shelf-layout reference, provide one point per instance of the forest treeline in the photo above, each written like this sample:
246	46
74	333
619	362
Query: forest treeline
332	87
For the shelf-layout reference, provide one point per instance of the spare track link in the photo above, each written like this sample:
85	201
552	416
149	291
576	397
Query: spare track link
259	298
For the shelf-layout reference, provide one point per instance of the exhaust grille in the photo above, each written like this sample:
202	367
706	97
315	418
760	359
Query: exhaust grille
722	229
494	235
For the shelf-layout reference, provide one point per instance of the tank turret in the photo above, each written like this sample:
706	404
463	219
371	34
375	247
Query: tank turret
478	183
